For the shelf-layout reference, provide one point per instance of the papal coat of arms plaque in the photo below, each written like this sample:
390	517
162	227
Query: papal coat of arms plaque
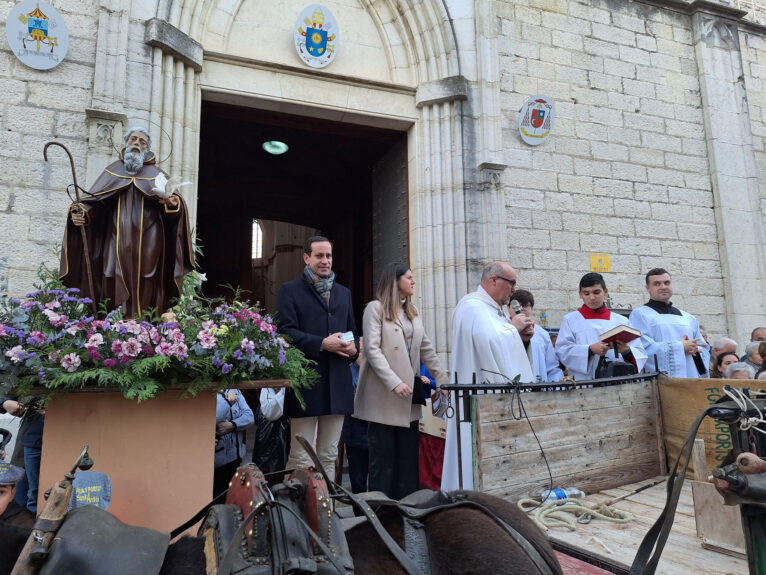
536	119
37	34
316	36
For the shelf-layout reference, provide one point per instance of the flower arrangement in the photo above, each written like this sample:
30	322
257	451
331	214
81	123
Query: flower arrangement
50	339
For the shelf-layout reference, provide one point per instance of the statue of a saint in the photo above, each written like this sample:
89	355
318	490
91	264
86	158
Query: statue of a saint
138	234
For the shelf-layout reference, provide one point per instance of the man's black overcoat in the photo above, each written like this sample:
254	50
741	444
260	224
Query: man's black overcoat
303	315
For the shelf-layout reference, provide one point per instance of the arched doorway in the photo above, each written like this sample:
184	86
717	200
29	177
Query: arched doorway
344	181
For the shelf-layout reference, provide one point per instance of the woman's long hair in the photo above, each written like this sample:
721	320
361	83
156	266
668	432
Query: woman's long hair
388	293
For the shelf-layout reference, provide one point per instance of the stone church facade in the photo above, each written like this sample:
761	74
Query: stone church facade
657	155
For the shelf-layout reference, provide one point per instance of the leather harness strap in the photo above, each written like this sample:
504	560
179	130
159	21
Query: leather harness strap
416	544
650	550
226	564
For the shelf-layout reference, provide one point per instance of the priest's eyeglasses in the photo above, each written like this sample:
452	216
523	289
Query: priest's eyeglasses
512	282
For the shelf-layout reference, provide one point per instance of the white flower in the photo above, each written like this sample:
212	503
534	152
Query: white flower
15	354
95	340
70	362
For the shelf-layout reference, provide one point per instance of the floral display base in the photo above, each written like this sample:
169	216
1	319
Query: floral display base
158	454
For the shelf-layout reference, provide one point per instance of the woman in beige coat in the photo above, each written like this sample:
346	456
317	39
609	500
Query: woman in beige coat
395	343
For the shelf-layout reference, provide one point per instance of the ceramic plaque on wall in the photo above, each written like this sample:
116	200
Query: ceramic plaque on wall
316	36
536	119
37	34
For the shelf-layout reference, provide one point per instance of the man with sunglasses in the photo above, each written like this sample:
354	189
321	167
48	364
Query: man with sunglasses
487	343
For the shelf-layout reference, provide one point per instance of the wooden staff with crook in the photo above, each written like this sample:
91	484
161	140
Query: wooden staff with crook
78	208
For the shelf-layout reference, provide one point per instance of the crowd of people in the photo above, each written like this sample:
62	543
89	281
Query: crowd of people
374	398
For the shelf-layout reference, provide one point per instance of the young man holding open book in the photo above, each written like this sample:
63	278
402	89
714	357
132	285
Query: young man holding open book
593	332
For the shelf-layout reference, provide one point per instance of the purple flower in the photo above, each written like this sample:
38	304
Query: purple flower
237	354
35	338
216	362
110	363
281	356
226	368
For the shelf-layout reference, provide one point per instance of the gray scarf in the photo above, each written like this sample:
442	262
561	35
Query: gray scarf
321	285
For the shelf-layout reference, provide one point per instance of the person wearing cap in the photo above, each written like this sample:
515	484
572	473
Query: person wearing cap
11	513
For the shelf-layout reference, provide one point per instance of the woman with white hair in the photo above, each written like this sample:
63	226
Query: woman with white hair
739	370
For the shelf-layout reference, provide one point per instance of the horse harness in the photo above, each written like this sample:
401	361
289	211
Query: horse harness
291	527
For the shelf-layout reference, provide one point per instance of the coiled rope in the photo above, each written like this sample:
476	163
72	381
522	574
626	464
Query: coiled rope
562	512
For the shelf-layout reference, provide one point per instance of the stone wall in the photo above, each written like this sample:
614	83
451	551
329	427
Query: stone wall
36	107
634	168
626	171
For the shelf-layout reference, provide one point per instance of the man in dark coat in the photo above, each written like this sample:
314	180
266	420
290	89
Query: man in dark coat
137	231
315	312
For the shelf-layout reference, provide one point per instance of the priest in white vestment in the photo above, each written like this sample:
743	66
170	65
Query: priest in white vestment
545	363
487	343
579	345
670	334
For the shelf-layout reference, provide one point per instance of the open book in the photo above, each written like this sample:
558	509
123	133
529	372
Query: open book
623	333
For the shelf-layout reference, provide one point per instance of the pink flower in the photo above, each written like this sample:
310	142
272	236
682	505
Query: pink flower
131	348
36	337
164	348
95	340
143	337
133	327
54	355
180	349
2	330
110	363
247	345
177	336
116	346
52	316
93	353
208	324
15	353
73	329
53	304
206	339
70	362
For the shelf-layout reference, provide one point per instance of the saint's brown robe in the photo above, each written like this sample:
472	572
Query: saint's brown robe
140	249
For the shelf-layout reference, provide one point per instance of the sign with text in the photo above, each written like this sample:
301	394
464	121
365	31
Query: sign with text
600	263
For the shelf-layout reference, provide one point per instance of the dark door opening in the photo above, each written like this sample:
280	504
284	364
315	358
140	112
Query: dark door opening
328	182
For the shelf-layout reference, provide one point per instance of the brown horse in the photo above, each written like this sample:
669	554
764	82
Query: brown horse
460	540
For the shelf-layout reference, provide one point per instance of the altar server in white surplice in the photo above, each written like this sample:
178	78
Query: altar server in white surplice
579	345
672	335
545	363
484	340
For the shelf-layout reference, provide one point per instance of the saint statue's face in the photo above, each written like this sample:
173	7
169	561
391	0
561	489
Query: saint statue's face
135	152
138	139
320	260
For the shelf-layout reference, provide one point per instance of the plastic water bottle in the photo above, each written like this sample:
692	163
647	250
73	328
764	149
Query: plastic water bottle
555	494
